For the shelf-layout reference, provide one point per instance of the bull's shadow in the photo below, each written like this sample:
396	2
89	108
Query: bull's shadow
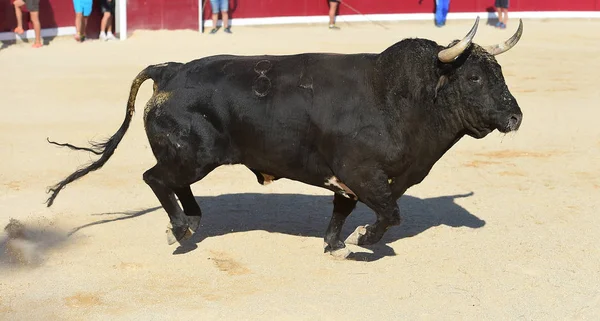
309	215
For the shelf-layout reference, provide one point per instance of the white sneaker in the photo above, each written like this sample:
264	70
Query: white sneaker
110	36
103	36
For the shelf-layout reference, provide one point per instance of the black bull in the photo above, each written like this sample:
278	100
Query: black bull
365	126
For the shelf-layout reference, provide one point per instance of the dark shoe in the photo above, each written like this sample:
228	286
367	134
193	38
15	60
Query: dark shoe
228	29
214	30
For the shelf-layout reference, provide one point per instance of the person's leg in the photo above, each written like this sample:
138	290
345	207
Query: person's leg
441	10
333	5
499	14
105	9
35	19
87	10
19	14
78	18
445	7
438	12
103	25
109	33
225	15
215	18
78	25
109	24
497	5
214	5
505	16
34	16
84	26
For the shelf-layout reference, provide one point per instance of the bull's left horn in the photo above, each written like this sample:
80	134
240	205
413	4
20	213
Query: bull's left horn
449	54
505	46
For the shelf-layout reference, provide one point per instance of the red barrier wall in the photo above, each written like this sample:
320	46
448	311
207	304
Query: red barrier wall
183	14
53	14
163	14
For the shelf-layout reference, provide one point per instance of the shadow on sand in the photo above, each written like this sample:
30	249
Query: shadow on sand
309	215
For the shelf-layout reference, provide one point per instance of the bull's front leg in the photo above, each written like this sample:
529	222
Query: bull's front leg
376	193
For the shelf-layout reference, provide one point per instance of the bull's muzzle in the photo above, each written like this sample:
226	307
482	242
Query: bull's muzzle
513	123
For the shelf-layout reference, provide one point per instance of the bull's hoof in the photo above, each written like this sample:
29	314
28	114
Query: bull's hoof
178	234
357	237
194	222
339	251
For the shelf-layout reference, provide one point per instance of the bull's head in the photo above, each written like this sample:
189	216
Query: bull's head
472	79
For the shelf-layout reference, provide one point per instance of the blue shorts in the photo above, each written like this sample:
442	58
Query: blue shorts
83	6
219	5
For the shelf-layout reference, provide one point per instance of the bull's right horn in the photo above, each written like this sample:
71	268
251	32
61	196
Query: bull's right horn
449	54
505	46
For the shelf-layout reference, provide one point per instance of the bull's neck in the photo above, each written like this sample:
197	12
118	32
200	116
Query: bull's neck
426	126
426	131
441	129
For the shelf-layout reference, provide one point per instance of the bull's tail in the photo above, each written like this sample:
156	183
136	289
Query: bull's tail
107	148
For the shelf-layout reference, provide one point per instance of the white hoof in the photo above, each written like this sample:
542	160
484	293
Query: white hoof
355	236
171	239
341	253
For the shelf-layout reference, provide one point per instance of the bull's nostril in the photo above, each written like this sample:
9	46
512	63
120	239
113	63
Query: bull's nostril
513	121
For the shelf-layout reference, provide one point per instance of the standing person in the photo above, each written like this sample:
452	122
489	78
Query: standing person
83	8
502	9
441	11
223	6
34	13
333	5
108	10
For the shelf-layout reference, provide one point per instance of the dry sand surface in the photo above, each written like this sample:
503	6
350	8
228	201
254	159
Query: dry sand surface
504	228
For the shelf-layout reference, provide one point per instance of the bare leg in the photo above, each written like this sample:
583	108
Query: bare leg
109	24
19	15
499	14
105	22
225	16
35	19
215	18
505	16
332	9
78	22
83	25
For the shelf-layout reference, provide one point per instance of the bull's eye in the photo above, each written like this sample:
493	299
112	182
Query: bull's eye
474	78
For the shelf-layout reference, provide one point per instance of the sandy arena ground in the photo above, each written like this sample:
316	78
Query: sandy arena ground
504	228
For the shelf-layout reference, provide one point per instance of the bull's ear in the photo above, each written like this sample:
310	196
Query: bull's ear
441	83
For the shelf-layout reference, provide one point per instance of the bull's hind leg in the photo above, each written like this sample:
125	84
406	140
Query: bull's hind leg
190	207
342	207
180	228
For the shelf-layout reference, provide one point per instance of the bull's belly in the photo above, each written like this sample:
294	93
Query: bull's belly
306	169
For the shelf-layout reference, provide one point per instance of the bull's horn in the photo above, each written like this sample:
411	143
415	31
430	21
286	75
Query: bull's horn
505	46
449	54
